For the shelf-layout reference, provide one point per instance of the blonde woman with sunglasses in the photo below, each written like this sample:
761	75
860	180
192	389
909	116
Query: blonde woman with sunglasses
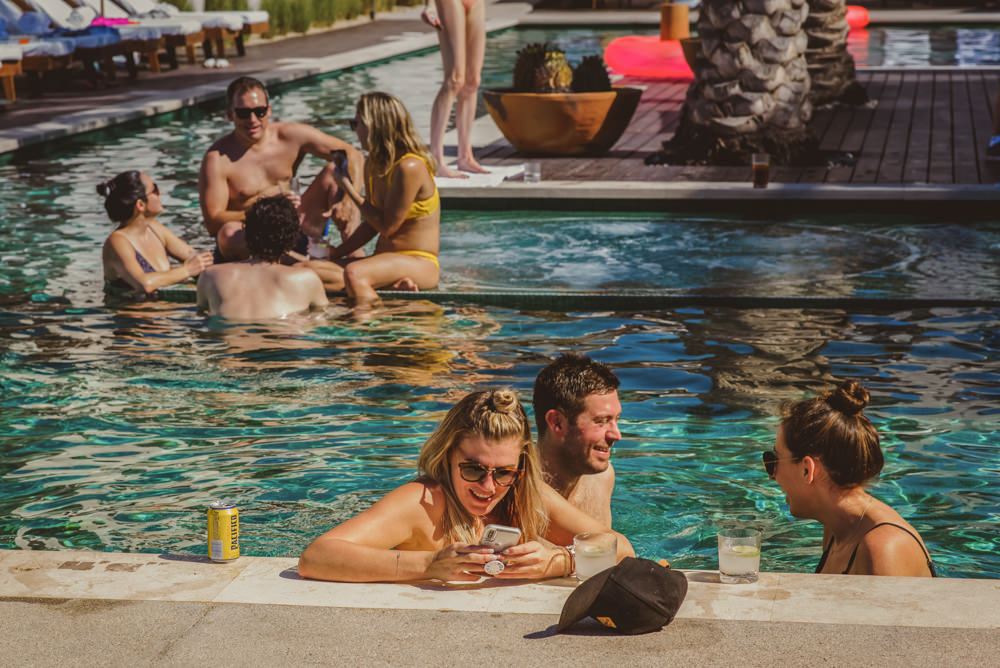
479	467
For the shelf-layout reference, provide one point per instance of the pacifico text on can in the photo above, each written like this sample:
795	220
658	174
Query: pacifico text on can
223	531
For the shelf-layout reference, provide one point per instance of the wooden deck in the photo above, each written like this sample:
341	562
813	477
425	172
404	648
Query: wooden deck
924	127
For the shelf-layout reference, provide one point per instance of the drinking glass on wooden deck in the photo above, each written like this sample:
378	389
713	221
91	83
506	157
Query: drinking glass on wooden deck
760	163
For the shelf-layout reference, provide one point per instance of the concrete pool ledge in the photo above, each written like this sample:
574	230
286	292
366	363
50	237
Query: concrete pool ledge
105	608
776	597
646	195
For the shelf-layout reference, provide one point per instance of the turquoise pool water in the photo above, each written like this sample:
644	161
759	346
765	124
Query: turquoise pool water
921	45
120	423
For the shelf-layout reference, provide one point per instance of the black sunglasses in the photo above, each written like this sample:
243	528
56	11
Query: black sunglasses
354	124
504	476
243	113
154	191
771	459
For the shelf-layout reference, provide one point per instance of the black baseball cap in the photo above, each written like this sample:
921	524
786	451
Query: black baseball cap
636	596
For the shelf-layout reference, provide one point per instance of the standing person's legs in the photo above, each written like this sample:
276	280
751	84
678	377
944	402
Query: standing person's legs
465	111
452	38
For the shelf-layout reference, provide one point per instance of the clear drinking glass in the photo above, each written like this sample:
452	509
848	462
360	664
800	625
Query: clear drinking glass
532	171
739	555
295	185
594	552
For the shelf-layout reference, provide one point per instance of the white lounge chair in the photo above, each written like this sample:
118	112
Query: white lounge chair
179	31
39	54
90	47
252	21
10	66
147	37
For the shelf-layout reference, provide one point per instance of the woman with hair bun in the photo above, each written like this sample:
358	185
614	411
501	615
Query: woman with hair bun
136	256
479	467
825	452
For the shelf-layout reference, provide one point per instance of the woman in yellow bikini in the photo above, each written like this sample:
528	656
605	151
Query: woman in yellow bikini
402	207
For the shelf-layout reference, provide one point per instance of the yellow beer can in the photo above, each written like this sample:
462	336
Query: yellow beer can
223	531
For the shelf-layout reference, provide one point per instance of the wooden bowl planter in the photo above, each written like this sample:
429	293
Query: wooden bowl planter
562	123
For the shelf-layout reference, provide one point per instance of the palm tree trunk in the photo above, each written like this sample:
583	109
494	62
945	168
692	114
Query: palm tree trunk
831	67
751	87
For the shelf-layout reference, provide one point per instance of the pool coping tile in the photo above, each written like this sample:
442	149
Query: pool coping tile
775	598
113	575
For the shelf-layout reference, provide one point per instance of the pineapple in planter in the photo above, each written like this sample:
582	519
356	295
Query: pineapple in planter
555	110
542	68
591	76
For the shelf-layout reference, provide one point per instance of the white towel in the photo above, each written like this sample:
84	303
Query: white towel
497	175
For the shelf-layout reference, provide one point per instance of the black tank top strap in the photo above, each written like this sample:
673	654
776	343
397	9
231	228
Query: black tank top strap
826	553
930	564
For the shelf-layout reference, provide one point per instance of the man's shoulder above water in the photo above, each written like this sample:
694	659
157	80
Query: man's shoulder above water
246	290
592	494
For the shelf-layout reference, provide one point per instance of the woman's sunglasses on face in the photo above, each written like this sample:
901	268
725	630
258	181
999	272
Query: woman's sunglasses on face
154	191
504	476
771	459
354	124
243	113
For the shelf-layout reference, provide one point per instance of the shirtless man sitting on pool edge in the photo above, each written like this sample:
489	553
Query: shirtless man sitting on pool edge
258	159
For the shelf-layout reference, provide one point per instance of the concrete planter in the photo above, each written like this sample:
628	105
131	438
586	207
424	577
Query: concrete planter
562	123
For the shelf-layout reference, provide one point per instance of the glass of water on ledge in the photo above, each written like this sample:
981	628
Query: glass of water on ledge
739	555
594	552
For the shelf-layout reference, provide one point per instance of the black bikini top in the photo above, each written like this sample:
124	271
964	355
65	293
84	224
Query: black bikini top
826	550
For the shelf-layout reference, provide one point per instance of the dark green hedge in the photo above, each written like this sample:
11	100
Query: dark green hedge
299	15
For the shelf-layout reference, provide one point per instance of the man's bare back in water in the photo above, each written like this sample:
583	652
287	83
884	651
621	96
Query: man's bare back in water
260	287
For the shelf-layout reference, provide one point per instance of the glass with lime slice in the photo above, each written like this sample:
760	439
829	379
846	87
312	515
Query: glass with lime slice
739	555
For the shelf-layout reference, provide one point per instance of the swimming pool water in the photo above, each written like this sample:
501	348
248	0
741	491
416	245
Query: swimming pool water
921	46
120	423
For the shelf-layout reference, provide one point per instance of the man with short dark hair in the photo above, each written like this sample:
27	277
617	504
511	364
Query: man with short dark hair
258	159
576	411
261	287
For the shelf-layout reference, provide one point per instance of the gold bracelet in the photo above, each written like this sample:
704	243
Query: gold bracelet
571	558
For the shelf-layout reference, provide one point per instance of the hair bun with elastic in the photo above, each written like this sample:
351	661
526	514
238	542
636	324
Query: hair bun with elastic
503	401
104	188
850	398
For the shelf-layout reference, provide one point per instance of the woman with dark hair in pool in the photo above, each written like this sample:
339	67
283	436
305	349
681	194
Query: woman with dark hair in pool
825	452
135	255
479	467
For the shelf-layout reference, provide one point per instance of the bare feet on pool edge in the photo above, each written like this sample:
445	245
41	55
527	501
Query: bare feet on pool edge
405	285
447	172
470	165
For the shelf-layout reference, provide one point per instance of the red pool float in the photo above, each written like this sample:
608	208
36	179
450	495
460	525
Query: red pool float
647	56
857	16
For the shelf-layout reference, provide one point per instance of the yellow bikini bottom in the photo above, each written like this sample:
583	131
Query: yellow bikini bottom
419	253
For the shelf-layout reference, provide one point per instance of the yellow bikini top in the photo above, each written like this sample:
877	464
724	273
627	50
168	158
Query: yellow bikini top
420	207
